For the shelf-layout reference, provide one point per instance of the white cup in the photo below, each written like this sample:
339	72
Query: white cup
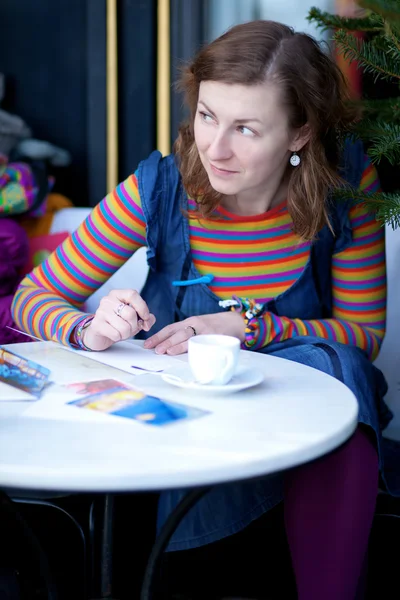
213	358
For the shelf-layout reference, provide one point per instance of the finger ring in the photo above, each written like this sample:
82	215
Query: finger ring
192	328
120	308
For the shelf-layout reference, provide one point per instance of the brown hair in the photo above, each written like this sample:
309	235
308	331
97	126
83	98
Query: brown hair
314	92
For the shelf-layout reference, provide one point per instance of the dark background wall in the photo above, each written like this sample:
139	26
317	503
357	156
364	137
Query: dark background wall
53	55
187	36
42	54
137	54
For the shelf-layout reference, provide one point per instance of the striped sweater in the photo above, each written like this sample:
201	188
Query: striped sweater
254	257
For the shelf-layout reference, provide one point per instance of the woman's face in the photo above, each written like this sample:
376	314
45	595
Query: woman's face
243	138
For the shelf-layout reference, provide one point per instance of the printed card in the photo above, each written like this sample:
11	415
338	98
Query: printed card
134	404
84	388
22	373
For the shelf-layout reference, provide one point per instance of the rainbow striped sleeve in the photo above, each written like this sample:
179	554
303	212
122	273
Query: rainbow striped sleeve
49	301
359	288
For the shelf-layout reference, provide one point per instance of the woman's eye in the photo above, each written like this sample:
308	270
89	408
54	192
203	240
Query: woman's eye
246	130
206	117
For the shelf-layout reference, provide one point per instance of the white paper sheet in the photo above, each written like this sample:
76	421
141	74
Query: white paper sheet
131	357
8	393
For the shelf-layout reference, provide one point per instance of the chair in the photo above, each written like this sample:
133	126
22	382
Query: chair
132	274
389	357
34	564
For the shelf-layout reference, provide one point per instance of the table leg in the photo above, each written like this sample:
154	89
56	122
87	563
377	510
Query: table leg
106	549
163	538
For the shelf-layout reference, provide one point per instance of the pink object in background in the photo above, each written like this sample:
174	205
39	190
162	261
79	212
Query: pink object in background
349	8
41	246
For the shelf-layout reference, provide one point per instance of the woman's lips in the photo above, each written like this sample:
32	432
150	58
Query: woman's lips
222	172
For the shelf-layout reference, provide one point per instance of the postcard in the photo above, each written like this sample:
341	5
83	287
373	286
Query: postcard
23	373
137	405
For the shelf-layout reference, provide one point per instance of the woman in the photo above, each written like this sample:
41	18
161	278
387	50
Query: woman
242	211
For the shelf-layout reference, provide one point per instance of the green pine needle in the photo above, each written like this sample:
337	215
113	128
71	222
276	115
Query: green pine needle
387	9
385	206
386	143
379	55
387	109
325	21
368	129
372	59
383	137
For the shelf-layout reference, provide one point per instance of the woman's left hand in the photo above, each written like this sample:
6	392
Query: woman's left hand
173	339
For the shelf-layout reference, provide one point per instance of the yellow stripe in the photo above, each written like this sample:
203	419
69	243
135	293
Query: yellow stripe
163	78
112	96
264	225
350	297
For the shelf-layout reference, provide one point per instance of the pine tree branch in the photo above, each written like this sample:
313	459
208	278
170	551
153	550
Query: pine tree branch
383	138
386	144
379	55
325	21
369	129
385	206
387	9
387	41
372	59
392	35
388	109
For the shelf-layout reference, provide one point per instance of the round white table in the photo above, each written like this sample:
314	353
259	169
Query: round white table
295	415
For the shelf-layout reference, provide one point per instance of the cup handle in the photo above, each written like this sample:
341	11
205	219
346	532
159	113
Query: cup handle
229	364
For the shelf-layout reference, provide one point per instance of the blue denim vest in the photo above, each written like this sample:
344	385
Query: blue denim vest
169	255
228	508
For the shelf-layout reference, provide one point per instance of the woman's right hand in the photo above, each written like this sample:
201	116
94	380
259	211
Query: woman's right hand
121	315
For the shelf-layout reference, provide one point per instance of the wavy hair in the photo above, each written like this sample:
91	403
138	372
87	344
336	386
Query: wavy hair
314	92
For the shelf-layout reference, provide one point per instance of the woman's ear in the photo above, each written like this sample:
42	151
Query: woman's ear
300	139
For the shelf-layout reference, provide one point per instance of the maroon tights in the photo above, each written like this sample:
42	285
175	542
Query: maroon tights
329	506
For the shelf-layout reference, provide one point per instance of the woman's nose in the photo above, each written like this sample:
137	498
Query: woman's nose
220	148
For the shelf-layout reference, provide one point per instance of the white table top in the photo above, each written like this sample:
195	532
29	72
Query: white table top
297	414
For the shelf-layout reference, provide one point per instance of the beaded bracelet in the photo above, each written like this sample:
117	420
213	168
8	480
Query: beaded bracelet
250	310
78	333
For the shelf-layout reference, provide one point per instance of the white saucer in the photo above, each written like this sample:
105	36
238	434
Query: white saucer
243	379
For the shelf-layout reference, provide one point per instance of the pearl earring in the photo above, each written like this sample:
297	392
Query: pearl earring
295	159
